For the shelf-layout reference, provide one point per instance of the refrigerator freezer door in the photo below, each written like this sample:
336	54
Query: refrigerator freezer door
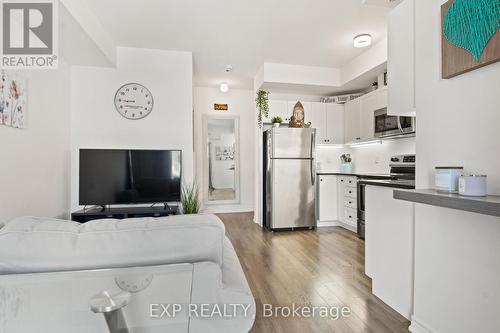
292	194
293	142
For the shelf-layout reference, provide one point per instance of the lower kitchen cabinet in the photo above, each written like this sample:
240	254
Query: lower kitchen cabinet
337	201
327	198
389	248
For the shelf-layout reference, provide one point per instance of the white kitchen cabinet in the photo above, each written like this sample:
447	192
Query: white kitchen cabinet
335	122
353	121
328	120
369	104
347	202
328	198
277	109
381	98
317	117
401	59
389	248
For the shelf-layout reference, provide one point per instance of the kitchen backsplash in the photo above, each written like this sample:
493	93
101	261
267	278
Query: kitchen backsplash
368	159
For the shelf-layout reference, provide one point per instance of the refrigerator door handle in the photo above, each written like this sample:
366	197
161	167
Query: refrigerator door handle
313	172
313	156
313	144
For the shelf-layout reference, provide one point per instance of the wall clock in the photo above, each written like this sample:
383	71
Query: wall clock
134	101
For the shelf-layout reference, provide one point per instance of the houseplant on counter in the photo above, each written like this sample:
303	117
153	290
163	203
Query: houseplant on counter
262	103
277	121
346	163
190	199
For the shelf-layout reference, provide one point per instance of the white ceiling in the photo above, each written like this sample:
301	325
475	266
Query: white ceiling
242	33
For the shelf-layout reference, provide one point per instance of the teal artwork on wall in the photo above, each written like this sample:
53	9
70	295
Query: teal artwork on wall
470	24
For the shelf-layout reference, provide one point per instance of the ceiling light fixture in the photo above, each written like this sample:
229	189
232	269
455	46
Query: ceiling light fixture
366	143
224	87
363	40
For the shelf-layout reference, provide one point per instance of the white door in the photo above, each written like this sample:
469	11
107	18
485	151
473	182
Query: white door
328	198
335	122
317	117
368	106
353	121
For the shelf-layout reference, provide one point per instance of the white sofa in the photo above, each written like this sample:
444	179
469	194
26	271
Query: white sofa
50	269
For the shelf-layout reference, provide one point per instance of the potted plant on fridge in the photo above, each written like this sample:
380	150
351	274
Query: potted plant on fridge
277	121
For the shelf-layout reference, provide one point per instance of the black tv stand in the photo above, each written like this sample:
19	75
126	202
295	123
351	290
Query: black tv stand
99	212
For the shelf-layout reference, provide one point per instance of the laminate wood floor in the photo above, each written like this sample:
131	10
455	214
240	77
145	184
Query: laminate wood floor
312	268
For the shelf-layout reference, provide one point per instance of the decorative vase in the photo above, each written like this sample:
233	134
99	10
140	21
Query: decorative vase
276	125
346	167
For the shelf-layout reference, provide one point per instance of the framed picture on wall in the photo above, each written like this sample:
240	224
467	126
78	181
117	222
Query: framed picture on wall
13	100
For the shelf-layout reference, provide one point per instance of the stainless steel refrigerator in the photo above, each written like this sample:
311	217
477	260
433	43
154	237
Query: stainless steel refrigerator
289	178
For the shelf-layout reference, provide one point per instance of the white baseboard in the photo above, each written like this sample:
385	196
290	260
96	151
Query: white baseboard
348	227
328	224
227	209
417	326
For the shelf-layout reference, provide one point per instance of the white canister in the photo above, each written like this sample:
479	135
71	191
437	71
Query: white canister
473	186
447	179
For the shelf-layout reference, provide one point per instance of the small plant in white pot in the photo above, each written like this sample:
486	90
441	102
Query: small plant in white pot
277	121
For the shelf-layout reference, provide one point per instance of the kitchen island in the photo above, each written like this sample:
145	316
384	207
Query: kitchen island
457	262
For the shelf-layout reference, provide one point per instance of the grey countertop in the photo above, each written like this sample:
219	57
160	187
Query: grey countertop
489	205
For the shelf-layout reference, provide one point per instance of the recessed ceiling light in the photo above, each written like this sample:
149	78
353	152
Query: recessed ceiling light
363	40
224	87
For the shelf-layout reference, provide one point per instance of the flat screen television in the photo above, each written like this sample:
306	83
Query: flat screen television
110	177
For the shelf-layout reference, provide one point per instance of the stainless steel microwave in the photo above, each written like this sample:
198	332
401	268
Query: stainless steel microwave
390	126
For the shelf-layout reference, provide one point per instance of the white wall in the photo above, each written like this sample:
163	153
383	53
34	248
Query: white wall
376	158
96	124
456	254
241	103
34	161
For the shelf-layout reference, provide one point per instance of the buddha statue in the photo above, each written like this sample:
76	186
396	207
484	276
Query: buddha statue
297	120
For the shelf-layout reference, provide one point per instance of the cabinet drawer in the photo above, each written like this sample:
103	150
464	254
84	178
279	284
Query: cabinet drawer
349	181
351	217
350	202
350	191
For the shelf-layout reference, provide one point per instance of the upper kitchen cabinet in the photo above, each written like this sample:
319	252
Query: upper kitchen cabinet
335	120
401	60
368	106
317	117
353	121
328	120
277	109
